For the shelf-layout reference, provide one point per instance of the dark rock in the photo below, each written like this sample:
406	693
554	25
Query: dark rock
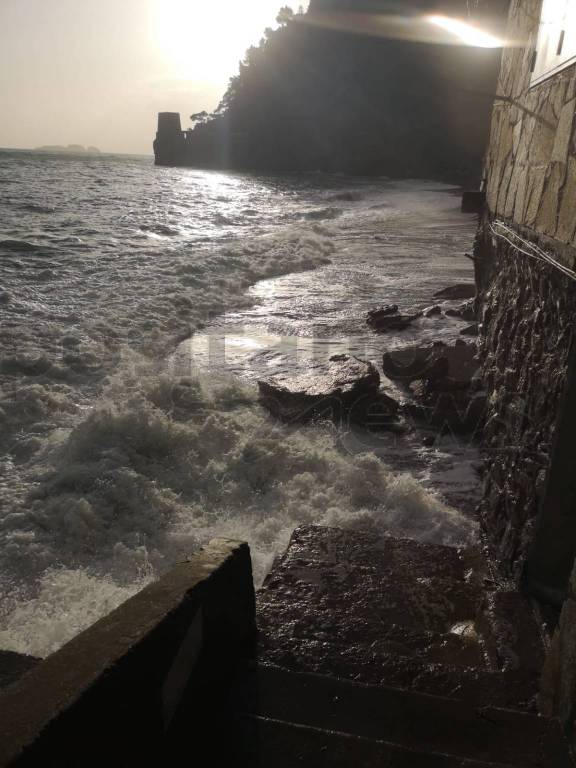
375	314
476	411
444	385
17	245
414	363
465	311
449	411
473	201
470	330
428	441
346	388
432	311
426	367
392	322
458	291
14	665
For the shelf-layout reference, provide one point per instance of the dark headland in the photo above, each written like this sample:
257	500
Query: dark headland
315	96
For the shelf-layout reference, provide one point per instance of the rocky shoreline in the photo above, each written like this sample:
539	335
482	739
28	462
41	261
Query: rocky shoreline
436	387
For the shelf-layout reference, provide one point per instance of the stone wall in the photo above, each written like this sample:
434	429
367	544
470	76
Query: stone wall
527	306
531	161
525	346
558	686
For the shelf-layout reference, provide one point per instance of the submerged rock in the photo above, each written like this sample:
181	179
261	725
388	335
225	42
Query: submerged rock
18	246
374	315
458	291
386	309
346	388
443	383
389	319
465	311
410	364
432	311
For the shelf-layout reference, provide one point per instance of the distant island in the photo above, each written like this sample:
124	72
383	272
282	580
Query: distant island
73	149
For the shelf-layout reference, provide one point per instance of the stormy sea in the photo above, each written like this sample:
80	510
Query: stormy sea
139	306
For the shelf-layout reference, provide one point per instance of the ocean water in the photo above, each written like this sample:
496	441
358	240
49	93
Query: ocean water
138	307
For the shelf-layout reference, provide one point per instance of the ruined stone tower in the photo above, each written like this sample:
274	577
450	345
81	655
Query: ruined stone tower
169	145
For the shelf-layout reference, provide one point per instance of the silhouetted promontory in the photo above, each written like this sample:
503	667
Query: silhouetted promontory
315	96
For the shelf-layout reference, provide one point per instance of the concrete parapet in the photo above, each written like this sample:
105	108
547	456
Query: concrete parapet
109	695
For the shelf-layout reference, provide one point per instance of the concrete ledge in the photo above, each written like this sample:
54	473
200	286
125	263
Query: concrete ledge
110	694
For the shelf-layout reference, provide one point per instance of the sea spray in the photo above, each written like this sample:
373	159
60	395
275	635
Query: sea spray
145	481
115	463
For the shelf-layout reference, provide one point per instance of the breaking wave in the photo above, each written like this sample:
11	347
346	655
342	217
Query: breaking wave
114	465
141	483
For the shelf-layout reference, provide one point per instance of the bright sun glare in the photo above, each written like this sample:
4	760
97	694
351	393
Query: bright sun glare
466	33
204	41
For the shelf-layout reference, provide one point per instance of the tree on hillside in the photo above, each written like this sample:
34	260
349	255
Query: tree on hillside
199	118
285	15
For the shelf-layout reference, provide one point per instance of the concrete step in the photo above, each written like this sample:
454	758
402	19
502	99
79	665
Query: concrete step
274	744
385	610
367	587
414	721
367	663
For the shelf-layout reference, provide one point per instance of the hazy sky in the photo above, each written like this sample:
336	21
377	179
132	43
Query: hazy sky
97	71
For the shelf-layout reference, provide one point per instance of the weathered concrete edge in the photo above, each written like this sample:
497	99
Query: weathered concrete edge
120	664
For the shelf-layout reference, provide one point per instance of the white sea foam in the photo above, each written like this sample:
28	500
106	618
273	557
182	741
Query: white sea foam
141	483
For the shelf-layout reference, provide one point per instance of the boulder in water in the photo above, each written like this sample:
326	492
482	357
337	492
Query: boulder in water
432	311
389	319
465	311
458	291
376	314
443	383
457	412
346	387
17	245
410	364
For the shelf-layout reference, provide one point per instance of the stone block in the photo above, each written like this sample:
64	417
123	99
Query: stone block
564	132
566	231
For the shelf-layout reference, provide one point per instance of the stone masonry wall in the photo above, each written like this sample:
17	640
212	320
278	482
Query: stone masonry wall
527	347
531	159
527	317
528	307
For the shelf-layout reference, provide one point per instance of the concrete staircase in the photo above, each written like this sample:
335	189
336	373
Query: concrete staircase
288	719
385	652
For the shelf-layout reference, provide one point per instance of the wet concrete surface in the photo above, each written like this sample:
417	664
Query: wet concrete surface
397	612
